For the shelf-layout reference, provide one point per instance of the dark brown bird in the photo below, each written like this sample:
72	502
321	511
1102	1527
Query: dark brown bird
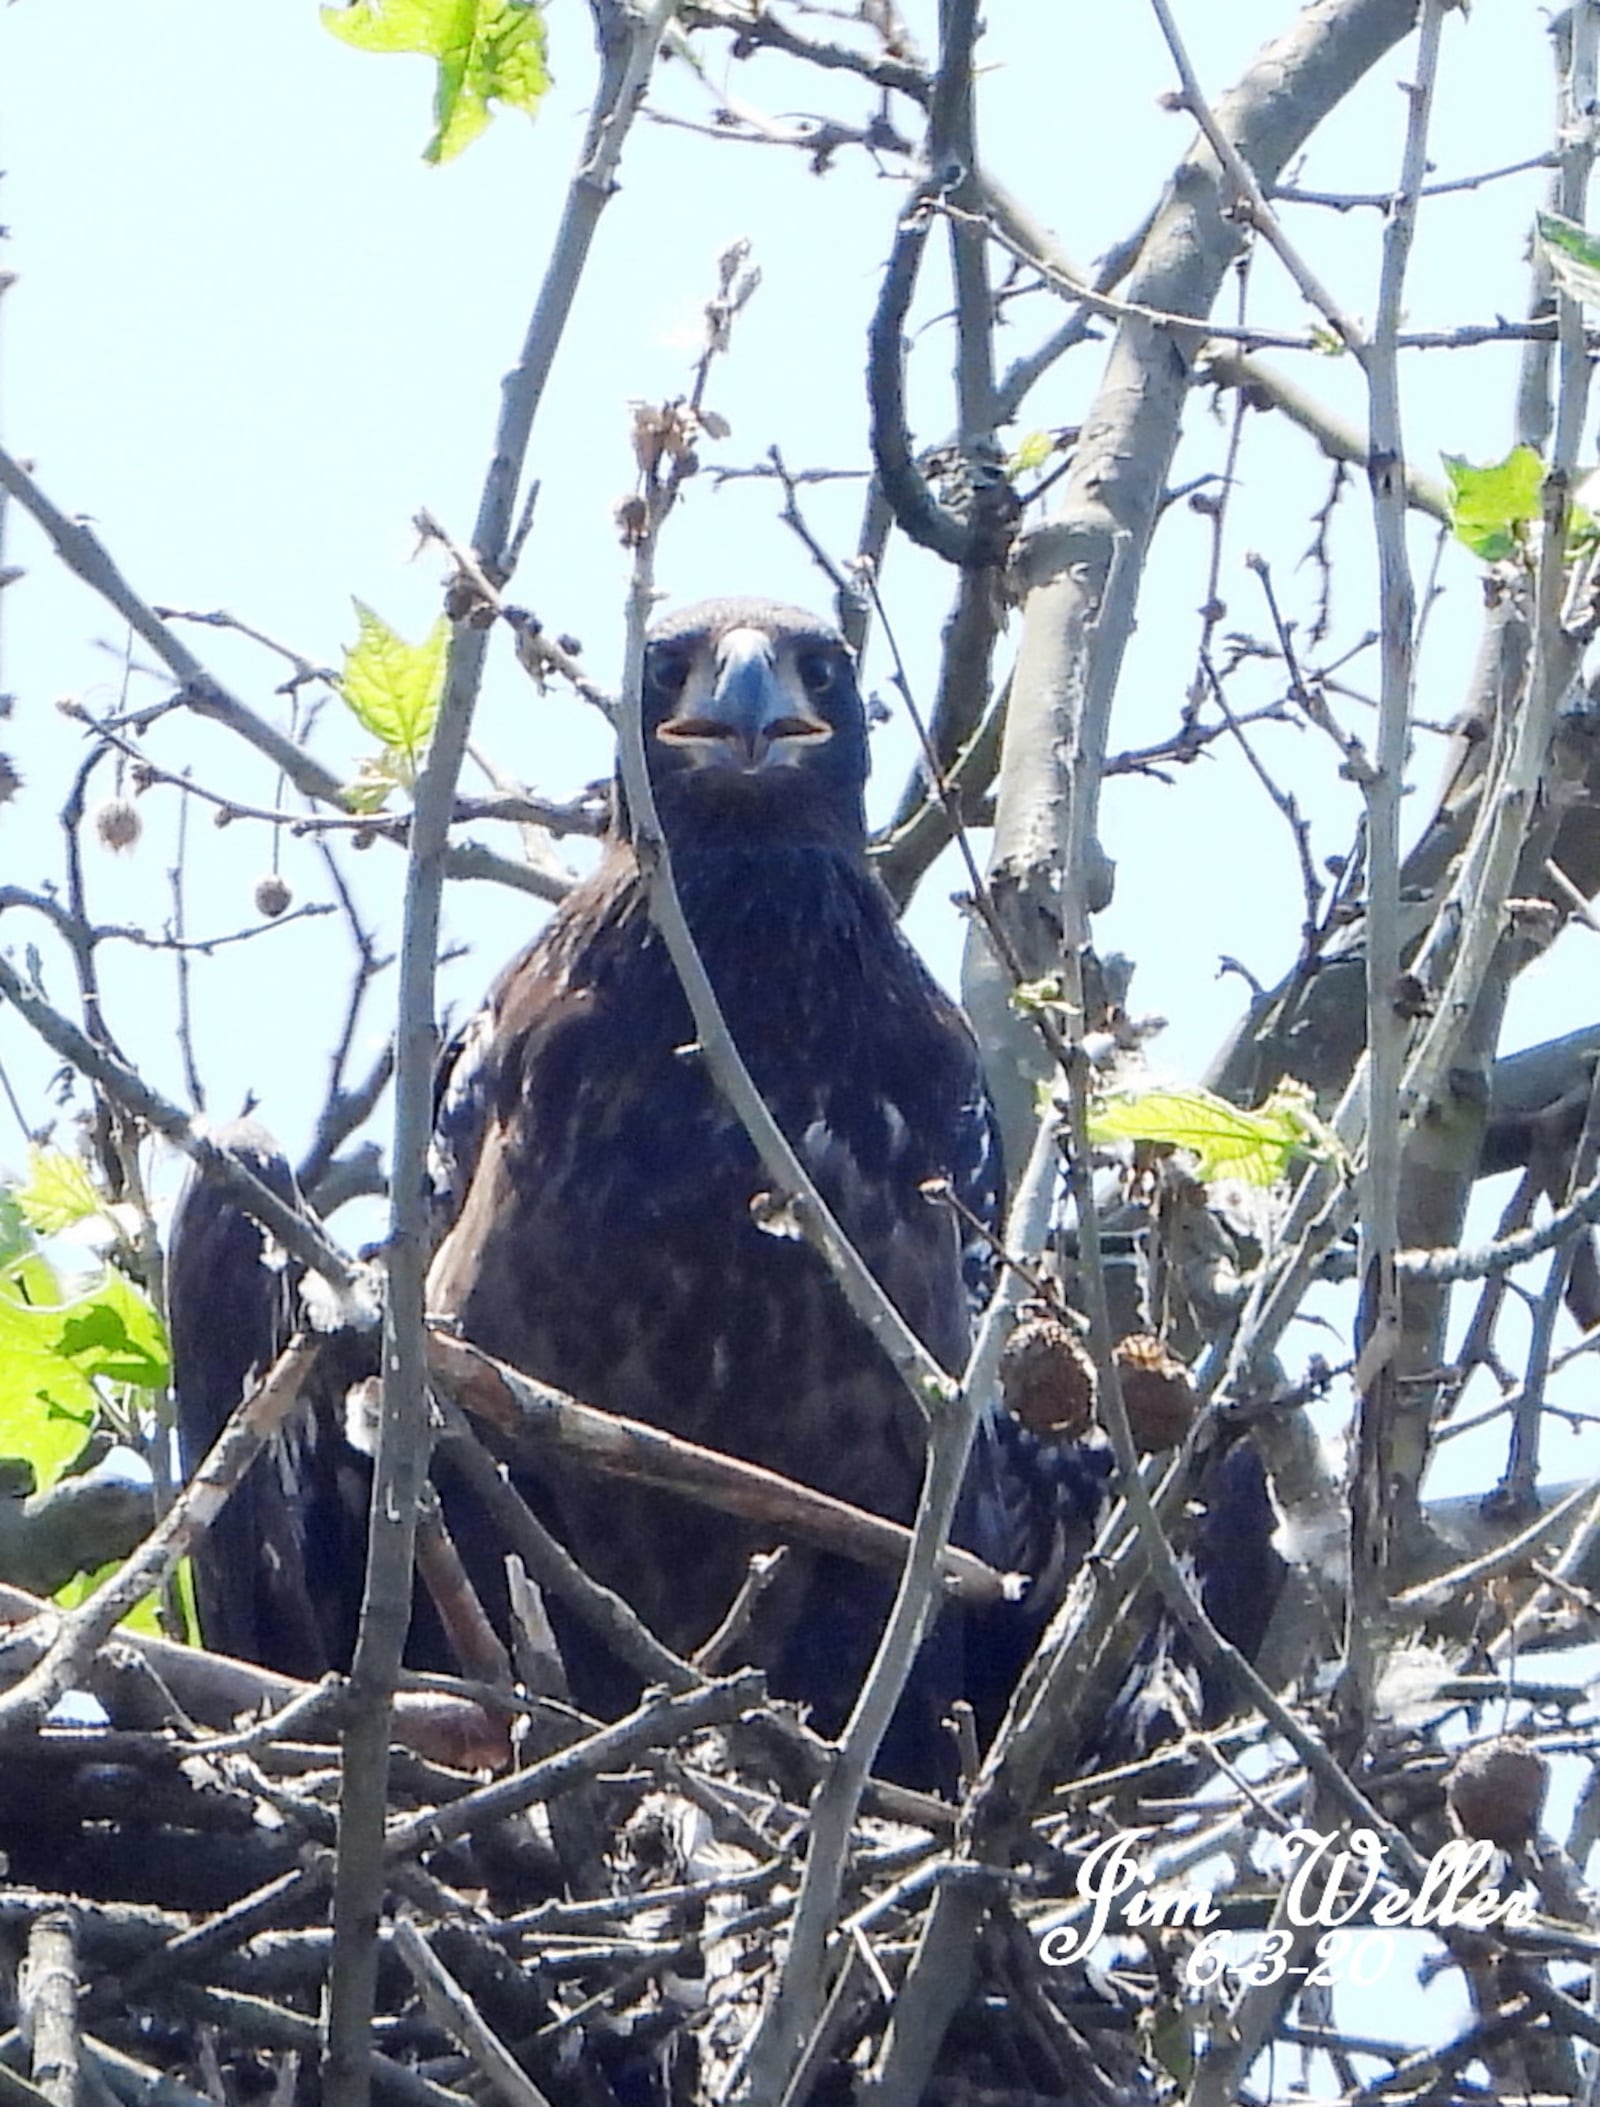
606	1204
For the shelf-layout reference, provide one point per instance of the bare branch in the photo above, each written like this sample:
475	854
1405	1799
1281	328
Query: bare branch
533	1414
1266	389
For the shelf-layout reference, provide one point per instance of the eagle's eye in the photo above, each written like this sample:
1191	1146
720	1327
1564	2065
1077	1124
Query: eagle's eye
670	671
816	670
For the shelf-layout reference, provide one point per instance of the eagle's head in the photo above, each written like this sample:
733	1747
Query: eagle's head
753	724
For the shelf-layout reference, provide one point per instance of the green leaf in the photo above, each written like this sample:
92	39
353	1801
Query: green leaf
51	1358
486	51
25	1274
1033	450
47	1404
380	775
144	1617
1255	1147
58	1192
116	1335
1171	2037
394	687
1029	997
1573	257
16	1241
1491	508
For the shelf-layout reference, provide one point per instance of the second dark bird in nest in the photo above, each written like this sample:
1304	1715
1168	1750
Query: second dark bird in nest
603	1228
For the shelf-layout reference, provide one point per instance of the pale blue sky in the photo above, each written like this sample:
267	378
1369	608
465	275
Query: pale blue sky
252	332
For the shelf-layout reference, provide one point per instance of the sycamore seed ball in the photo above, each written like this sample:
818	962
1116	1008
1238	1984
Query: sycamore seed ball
117	824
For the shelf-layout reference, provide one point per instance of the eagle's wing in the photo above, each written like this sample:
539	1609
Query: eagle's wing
271	1574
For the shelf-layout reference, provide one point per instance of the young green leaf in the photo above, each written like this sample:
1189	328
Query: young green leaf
486	51
25	1274
16	1240
394	687
52	1356
1255	1147
377	779
1491	508
1033	450
114	1333
58	1192
144	1617
47	1404
1573	257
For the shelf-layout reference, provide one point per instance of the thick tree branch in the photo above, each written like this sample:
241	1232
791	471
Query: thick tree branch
1076	616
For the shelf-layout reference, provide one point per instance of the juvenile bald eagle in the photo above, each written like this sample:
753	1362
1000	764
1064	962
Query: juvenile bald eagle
601	1218
608	1234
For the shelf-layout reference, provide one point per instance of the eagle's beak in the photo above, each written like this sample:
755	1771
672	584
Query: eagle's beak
753	717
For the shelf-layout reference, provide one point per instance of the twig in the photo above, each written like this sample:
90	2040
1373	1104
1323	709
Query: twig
628	49
1264	388
48	1992
1482	1260
454	2010
793	518
466	859
762	26
1383	200
922	825
551	1564
1577	906
1252	204
191	1071
819	138
780	2044
63	919
659	1721
762	1571
1467	336
345	1109
1508	1557
305	669
199	690
1306	695
536	648
1284	800
217	1689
